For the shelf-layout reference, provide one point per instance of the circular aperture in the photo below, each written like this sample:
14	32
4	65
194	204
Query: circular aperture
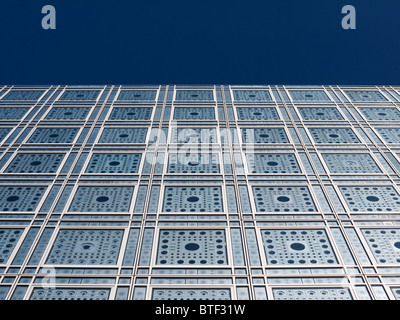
334	135
397	245
53	135
192	246
114	163
194	113
297	246
102	199
123	135
283	199
193	163
193	199
372	198
272	163
264	135
12	198
35	163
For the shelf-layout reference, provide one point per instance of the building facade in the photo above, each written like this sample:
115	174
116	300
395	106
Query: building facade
199	192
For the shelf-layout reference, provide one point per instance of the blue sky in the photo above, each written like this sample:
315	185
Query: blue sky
200	42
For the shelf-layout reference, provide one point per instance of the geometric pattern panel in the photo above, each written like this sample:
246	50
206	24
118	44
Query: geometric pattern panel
70	294
194	135
251	95
283	199
381	113
101	199
35	163
68	113
3	133
90	247
308	95
53	135
390	135
356	95
191	294
23	95
134	113
123	135
193	199
297	247
253	113
79	95
114	163
192	247
12	113
311	294
272	163
133	95
396	292
320	113
333	135
8	240
372	199
193	163
351	163
384	244
193	113
189	95
264	135
18	198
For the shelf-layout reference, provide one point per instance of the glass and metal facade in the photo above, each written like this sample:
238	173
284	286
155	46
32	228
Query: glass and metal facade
199	192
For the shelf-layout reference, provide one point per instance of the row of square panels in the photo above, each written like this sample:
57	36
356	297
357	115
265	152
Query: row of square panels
260	163
195	95
204	113
205	199
203	247
261	135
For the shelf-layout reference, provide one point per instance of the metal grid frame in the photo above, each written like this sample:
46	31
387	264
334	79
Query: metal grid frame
247	274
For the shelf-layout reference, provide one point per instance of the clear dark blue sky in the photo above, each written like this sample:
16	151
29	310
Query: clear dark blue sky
200	42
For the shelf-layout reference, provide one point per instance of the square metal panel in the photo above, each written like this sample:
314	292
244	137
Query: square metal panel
384	244
35	163
356	95
70	294
193	113
396	292
333	135
8	240
12	113
194	163
311	294
192	247
80	95
320	113
298	247
309	95
193	95
114	163
19	198
90	247
123	135
131	113
351	163
251	95
194	135
68	113
191	294
23	95
264	135
254	113
101	199
371	198
53	135
137	95
283	199
3	133
380	113
272	163
390	135
193	199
